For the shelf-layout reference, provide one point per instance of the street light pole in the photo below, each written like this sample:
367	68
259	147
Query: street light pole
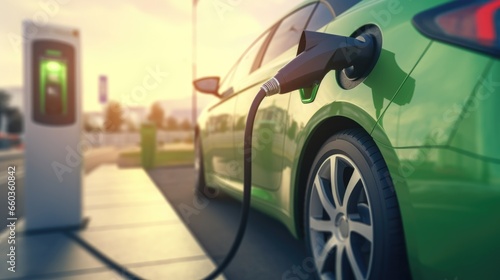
193	58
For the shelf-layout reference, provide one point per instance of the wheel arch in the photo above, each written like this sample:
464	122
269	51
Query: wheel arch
320	134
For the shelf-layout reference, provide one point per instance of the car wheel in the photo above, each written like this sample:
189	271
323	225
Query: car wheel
352	222
201	187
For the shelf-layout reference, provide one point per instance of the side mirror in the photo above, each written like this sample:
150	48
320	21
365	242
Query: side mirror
208	85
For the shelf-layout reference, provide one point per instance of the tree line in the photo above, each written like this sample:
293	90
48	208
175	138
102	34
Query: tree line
116	120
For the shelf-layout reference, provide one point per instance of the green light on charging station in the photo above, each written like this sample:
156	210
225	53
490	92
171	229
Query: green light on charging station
53	66
53	78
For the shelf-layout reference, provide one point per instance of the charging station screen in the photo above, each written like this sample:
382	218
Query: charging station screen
53	83
53	86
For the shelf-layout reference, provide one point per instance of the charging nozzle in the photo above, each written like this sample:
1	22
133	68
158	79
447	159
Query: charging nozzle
317	54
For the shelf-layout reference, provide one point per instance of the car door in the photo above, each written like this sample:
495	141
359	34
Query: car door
271	119
219	148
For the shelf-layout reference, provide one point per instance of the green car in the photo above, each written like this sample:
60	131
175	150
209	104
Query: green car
390	174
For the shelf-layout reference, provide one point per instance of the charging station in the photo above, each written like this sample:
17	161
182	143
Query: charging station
52	103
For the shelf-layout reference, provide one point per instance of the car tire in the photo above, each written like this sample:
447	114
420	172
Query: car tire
201	188
352	221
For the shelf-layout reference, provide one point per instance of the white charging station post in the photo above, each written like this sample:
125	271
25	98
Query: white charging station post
52	100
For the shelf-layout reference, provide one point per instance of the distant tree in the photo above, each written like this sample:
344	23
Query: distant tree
114	117
156	115
91	125
185	125
171	123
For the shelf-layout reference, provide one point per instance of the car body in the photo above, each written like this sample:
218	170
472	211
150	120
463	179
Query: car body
429	105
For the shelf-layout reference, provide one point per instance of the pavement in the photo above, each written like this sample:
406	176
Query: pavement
15	157
149	225
132	233
268	250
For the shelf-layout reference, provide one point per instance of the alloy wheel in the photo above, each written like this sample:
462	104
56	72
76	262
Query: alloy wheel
340	221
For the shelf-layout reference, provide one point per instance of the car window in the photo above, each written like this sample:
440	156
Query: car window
322	16
243	67
246	63
225	85
288	33
340	6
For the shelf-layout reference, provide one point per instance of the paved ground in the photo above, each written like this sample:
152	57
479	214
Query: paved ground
268	250
133	233
98	156
93	158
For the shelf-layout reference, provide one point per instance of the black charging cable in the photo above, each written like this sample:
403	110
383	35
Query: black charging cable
247	185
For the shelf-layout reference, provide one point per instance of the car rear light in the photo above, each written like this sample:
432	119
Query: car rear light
471	24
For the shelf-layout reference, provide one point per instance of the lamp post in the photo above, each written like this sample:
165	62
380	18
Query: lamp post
193	58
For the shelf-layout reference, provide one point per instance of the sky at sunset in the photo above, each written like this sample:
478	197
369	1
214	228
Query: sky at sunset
126	39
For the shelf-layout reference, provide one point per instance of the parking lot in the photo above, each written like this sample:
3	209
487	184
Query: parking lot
268	250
